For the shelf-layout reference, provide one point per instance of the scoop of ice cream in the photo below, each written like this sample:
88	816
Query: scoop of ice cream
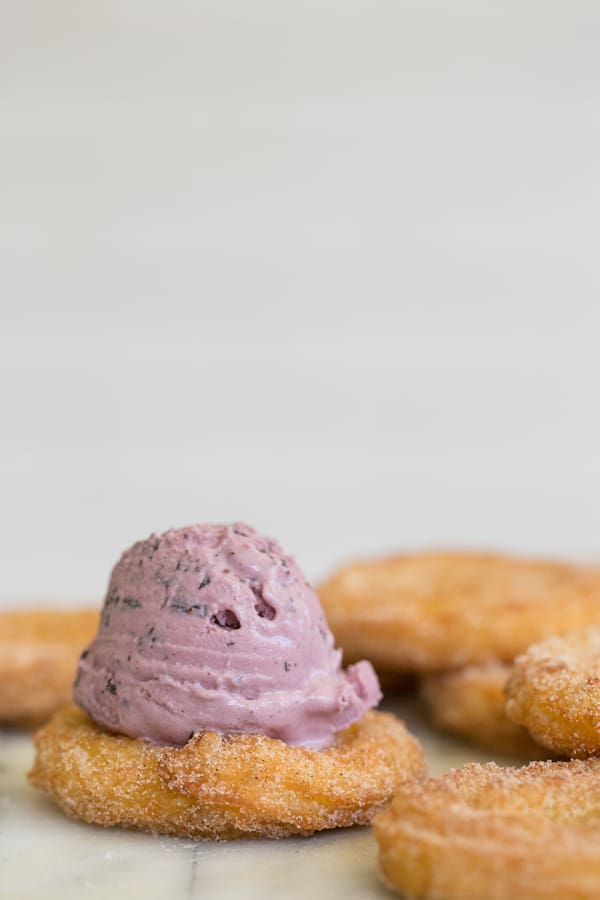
214	628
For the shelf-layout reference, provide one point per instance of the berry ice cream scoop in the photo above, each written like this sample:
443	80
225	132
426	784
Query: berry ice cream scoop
214	628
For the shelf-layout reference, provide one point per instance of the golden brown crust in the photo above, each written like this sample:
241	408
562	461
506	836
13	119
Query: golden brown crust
471	703
500	834
554	691
223	786
433	611
39	649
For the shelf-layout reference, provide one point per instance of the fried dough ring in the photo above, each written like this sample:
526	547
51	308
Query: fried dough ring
39	649
493	833
223	786
471	703
434	611
554	691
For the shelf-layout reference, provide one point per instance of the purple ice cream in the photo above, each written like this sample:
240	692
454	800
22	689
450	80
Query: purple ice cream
214	628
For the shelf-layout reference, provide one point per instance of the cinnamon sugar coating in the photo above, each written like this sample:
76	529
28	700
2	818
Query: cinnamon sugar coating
500	834
471	703
554	692
431	611
223	786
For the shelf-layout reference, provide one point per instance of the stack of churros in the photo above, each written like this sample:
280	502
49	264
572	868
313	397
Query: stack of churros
508	653
458	621
191	722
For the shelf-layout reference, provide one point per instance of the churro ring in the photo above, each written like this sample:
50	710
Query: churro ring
554	691
223	786
500	834
471	703
39	649
434	611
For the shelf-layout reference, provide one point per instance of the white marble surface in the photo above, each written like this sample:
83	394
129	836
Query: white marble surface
44	854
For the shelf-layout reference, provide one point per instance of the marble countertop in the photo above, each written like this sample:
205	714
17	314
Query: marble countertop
44	854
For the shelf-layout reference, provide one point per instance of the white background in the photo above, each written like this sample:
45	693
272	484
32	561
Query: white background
330	267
